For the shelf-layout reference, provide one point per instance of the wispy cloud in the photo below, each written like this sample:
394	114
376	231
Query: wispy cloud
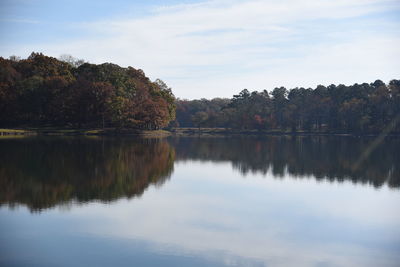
216	48
28	21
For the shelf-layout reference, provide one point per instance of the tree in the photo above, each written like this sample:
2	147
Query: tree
200	118
279	101
42	90
74	62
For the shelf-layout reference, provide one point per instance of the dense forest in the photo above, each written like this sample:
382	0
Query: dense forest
45	91
67	92
357	108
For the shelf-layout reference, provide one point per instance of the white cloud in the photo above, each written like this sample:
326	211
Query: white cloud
217	48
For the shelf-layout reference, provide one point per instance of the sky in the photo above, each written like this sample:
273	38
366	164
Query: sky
215	48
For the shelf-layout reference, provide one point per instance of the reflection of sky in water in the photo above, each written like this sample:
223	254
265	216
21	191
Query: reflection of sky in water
208	215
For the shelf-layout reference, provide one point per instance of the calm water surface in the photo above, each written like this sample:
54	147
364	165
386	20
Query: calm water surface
274	201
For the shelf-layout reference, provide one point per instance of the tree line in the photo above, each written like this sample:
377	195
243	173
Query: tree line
363	107
45	91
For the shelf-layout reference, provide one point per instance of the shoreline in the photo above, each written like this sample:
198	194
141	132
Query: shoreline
233	132
183	132
81	132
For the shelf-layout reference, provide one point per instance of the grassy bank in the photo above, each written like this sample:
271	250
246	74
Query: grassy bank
68	131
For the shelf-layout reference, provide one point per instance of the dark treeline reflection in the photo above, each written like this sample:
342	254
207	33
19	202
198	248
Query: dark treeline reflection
323	158
44	172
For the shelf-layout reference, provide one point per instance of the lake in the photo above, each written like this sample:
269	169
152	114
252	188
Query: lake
189	201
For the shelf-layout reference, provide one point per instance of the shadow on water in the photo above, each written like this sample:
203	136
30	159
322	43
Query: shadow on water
45	172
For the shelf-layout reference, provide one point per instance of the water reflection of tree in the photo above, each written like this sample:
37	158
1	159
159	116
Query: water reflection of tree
45	172
42	173
324	158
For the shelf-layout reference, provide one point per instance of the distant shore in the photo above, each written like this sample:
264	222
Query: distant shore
50	131
252	132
